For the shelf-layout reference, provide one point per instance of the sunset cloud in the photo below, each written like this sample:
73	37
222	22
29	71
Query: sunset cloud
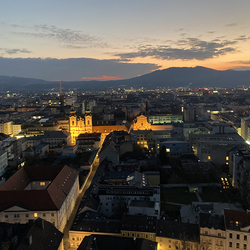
186	49
104	78
14	51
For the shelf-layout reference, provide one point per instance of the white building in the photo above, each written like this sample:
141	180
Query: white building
48	192
237	229
212	231
114	197
3	162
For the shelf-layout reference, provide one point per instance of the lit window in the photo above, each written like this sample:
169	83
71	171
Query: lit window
42	183
209	157
35	215
227	158
167	149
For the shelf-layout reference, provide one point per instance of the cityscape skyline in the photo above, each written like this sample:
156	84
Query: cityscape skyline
114	40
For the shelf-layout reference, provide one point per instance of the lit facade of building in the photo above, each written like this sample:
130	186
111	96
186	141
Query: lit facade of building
79	126
48	192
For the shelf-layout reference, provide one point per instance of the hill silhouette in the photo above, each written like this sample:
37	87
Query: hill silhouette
169	78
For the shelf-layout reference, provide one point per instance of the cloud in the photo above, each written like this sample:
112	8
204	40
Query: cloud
241	62
241	68
105	78
185	49
72	69
70	37
231	24
14	51
242	38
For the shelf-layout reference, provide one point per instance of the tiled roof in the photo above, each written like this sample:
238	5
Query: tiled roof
42	235
236	219
141	223
212	221
12	191
104	242
94	222
178	230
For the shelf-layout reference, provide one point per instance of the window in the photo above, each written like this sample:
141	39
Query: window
230	244
6	216
16	215
27	215
245	246
230	235
44	214
209	157
245	237
219	234
237	245
35	215
206	232
238	236
42	183
52	214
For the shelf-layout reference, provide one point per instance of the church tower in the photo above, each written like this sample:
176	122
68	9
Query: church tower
73	125
88	120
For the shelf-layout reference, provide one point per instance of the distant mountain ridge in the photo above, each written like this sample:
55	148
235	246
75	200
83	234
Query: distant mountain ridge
172	77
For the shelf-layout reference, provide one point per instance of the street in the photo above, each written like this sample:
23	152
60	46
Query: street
78	201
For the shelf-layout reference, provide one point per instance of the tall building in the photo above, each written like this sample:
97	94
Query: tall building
245	131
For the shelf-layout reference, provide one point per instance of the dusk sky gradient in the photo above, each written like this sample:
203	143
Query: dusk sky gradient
96	39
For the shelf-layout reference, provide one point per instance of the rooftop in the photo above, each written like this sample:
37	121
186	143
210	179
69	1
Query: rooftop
12	191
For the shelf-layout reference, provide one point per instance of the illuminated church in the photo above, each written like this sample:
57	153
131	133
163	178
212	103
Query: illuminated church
79	126
84	125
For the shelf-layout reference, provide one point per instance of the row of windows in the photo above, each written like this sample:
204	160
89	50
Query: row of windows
27	215
219	234
138	235
237	245
237	236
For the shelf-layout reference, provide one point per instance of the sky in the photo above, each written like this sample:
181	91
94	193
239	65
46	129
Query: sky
114	39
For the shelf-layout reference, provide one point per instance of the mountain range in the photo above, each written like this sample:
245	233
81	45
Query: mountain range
169	78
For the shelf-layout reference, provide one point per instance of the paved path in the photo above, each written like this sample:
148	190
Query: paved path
78	201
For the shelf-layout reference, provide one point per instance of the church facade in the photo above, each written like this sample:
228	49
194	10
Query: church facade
84	125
